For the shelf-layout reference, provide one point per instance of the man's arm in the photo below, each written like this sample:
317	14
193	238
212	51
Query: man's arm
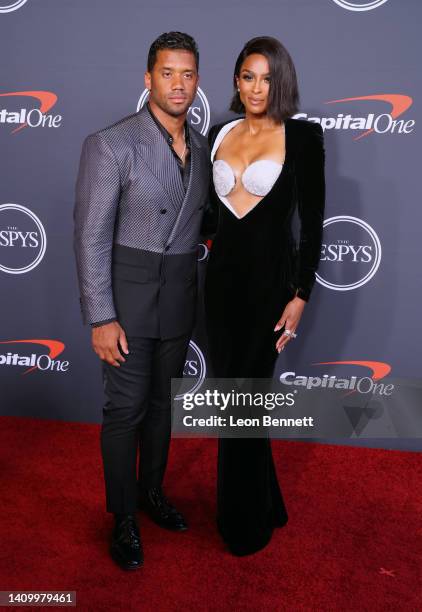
97	198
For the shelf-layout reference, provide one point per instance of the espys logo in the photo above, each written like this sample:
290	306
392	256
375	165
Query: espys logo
204	250
23	240
198	113
353	384
383	123
33	361
194	371
363	5
30	117
350	253
7	6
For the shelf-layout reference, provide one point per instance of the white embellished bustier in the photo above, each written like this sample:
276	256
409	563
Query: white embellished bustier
258	178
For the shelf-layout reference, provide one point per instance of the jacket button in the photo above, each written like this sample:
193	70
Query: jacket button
163	211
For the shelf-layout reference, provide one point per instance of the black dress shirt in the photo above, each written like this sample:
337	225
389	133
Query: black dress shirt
184	167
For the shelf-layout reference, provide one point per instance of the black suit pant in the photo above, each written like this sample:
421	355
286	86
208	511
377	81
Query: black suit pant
137	412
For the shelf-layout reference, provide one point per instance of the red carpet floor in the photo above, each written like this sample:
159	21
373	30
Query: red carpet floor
353	540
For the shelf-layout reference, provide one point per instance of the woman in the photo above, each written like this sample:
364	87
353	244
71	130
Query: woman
264	163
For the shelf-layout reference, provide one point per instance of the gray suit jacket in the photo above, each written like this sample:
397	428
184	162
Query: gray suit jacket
136	230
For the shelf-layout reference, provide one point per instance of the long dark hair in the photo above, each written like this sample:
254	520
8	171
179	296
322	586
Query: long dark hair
283	100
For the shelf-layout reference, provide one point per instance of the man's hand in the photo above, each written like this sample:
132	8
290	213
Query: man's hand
105	342
290	320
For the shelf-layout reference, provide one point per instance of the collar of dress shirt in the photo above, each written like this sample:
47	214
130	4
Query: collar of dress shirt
165	132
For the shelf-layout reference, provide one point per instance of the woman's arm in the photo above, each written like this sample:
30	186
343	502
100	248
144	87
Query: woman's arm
210	218
310	186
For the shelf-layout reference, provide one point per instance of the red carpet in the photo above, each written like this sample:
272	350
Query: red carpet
353	540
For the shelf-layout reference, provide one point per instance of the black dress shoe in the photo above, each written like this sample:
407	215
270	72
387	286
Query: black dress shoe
160	510
126	545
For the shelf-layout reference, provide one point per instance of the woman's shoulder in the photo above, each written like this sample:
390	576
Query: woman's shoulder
217	127
304	135
305	129
301	131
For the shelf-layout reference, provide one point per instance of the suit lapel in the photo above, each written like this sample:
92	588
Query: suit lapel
158	157
193	189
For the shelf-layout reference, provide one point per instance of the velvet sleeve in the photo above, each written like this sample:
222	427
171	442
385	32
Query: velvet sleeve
210	218
310	191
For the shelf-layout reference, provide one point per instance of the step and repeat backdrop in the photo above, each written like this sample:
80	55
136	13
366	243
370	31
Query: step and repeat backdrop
71	67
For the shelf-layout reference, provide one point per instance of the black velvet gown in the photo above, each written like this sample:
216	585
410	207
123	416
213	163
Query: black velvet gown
252	273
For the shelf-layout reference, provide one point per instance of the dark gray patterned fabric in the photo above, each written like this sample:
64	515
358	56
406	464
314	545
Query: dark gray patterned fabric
130	192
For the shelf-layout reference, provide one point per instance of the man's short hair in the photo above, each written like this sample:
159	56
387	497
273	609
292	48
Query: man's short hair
172	40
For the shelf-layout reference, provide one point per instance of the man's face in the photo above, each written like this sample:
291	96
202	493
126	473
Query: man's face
173	81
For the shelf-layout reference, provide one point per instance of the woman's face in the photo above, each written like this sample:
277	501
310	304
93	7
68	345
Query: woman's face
254	84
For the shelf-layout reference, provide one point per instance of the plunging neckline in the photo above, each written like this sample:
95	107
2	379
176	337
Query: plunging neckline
223	199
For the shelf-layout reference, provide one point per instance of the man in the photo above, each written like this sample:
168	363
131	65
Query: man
140	196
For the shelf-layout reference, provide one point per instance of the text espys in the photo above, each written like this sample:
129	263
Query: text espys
10	238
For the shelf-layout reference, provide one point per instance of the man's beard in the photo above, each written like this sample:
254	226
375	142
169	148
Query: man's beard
170	110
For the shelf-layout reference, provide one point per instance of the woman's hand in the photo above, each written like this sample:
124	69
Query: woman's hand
290	319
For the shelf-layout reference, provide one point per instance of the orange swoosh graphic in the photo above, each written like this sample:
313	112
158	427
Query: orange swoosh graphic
55	347
47	99
379	368
399	104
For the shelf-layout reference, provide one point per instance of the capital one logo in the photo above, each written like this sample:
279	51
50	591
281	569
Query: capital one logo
363	5
381	123
17	353
194	371
198	112
23	240
350	253
21	113
7	7
351	384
